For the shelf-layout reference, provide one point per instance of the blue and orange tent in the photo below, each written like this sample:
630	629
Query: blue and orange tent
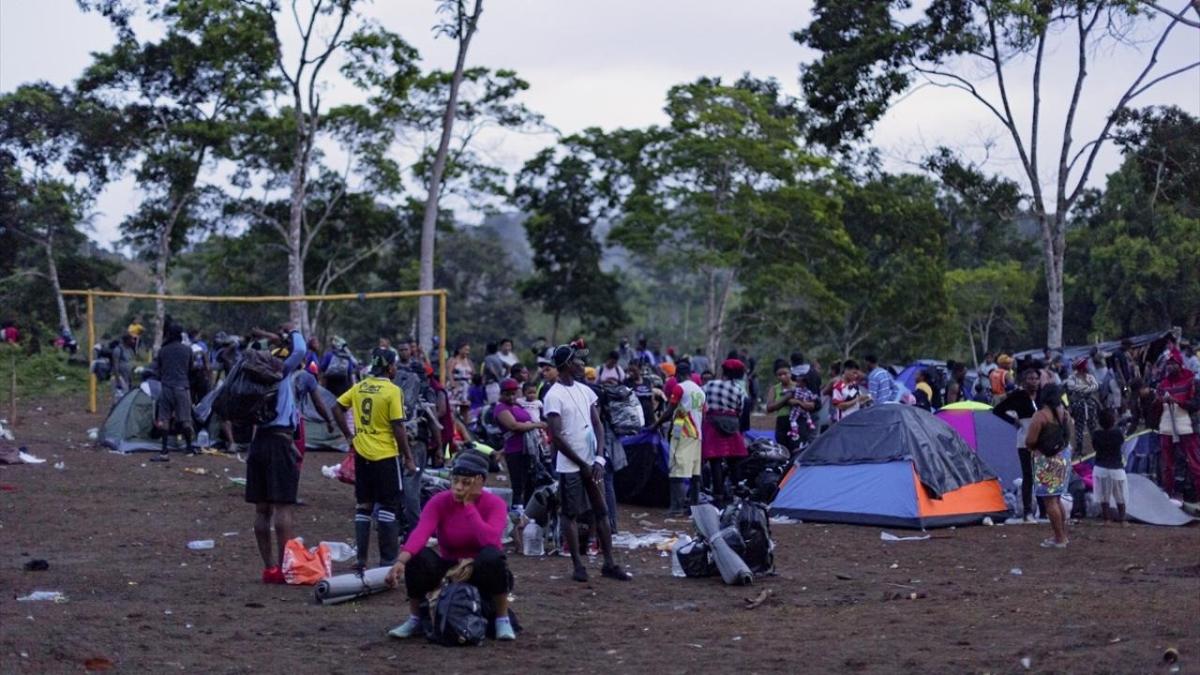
892	466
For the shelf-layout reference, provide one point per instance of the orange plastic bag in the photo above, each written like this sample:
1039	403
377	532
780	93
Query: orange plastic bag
306	566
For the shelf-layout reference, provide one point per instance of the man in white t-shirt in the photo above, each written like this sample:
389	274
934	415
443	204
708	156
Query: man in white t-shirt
578	436
685	409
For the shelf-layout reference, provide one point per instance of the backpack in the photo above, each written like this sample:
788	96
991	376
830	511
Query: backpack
251	391
750	519
486	429
458	616
624	409
1051	439
339	366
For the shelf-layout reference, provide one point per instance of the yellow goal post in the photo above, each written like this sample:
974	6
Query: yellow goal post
90	296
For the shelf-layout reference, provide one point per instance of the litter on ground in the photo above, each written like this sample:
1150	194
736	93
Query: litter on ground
888	536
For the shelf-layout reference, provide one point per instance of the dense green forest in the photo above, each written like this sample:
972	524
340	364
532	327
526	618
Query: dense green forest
751	217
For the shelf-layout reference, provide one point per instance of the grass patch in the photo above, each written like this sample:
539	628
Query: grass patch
50	373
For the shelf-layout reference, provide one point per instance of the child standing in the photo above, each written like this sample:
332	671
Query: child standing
1109	473
533	405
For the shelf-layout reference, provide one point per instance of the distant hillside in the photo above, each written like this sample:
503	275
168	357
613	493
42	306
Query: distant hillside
509	230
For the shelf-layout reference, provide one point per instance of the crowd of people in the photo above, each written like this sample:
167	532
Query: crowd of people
553	420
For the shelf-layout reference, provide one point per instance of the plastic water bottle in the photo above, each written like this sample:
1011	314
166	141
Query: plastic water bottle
201	544
533	540
676	568
202	438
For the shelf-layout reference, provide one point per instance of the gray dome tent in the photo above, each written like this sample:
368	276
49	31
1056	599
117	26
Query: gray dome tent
129	426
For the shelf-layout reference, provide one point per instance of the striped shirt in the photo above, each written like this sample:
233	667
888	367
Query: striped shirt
882	387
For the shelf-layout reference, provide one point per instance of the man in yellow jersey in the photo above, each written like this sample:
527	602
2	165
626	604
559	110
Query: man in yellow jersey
379	443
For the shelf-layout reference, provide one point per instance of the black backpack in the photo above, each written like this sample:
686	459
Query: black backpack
750	519
458	616
1051	439
250	394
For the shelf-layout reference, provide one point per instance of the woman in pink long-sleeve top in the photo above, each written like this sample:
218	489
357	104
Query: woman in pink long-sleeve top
468	523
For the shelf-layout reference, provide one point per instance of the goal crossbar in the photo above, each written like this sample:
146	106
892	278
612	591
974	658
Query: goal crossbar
90	296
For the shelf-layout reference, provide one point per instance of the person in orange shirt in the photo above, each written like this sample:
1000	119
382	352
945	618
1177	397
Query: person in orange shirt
1000	377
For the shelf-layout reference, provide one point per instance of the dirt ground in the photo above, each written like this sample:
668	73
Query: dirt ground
114	530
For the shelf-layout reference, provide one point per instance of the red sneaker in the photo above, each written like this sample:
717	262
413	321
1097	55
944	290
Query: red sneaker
273	575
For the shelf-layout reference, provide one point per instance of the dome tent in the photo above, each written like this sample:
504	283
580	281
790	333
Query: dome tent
890	465
129	426
991	437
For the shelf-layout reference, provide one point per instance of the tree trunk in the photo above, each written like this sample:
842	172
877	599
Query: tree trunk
1053	249
297	309
429	221
713	342
52	271
554	329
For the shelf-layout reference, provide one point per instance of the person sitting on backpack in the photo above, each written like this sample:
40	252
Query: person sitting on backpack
338	367
468	523
1050	432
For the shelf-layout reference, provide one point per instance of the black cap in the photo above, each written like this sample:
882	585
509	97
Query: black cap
380	360
470	463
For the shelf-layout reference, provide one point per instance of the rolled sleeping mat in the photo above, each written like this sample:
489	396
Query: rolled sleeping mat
707	519
346	587
734	571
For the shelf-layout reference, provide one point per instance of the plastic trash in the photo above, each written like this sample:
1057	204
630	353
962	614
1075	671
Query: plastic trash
202	438
44	596
60	465
676	568
30	459
340	551
987	520
533	540
93	434
201	544
1016	572
888	536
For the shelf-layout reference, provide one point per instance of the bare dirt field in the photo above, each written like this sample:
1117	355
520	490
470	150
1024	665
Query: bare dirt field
114	530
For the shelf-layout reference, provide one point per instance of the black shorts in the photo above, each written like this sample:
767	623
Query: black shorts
579	496
272	467
174	404
377	482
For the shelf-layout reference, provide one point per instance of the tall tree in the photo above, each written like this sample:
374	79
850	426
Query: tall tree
58	148
871	53
558	191
1138	260
699	184
460	25
185	93
284	145
987	298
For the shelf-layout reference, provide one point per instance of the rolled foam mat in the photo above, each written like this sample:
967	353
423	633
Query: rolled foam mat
346	587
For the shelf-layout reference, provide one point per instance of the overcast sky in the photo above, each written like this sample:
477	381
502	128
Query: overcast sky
609	64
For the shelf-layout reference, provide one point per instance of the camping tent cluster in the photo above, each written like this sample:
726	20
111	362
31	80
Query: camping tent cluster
129	426
890	465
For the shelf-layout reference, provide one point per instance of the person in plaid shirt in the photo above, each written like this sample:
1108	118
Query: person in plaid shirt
721	437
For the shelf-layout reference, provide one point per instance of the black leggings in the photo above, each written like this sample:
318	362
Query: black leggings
1026	480
424	572
716	469
519	468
